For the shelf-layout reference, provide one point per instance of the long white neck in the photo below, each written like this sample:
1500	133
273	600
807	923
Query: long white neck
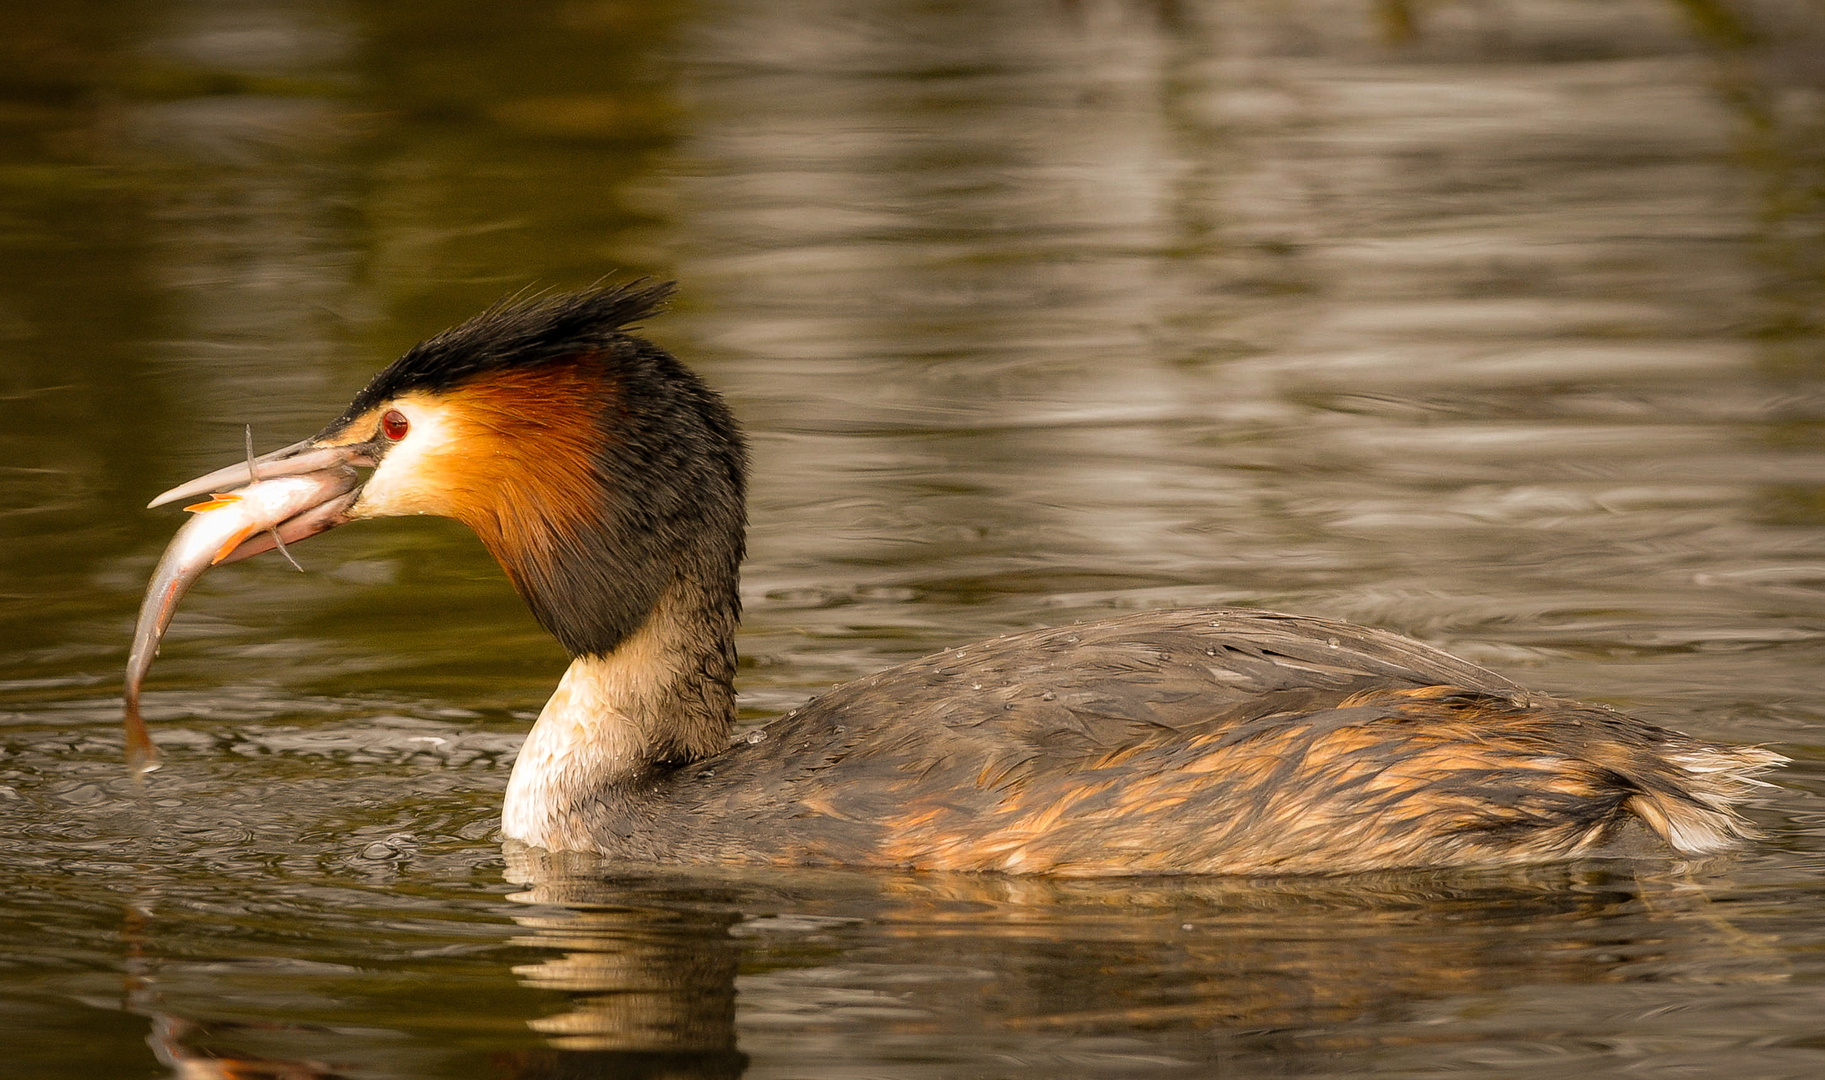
663	697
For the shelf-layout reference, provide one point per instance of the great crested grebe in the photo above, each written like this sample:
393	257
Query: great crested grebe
608	481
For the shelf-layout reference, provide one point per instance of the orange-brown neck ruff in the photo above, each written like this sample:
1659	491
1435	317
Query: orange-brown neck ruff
530	480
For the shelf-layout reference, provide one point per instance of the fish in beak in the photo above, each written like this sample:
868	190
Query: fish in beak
253	507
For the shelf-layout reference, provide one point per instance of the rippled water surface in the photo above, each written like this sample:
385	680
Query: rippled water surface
1498	324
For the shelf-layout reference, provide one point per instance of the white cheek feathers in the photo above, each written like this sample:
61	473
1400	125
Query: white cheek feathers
412	477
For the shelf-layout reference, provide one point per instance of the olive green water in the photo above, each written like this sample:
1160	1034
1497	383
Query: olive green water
1499	324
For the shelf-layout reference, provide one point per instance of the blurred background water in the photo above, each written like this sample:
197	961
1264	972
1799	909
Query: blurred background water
1496	322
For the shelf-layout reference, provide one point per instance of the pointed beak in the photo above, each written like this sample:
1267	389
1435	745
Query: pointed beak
300	459
294	460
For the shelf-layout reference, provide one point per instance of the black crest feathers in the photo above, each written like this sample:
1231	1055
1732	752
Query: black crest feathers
515	334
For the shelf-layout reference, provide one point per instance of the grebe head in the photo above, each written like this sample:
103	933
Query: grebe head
599	471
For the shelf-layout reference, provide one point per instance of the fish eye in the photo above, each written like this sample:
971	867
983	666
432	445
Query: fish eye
394	425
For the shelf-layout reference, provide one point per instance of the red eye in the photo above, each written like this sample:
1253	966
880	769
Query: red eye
393	425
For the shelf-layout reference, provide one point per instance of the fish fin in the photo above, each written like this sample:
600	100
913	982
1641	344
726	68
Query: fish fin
215	502
233	542
142	752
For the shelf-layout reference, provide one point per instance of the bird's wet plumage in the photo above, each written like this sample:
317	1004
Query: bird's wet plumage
1184	741
608	481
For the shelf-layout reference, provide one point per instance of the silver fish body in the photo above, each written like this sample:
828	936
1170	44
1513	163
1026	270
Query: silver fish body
227	528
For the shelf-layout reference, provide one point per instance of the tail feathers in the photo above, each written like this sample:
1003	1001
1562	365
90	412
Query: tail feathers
1693	807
